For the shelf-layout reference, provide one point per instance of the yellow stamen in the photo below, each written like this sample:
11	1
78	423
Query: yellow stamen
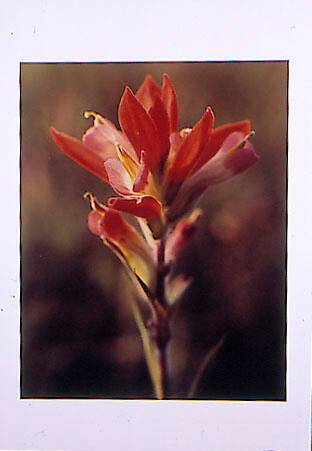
98	120
128	162
94	203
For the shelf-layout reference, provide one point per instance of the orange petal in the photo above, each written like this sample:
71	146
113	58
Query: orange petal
169	98
75	149
139	127
145	207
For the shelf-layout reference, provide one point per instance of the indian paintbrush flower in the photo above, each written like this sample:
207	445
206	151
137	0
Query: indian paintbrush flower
158	173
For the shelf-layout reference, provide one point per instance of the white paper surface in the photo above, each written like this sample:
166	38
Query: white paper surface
161	31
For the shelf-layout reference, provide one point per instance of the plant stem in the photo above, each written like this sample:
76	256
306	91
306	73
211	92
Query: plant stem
161	320
161	273
163	365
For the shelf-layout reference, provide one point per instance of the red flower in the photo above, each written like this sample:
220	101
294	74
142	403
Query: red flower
123	239
159	172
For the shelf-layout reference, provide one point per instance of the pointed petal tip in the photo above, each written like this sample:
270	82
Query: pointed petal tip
128	91
53	132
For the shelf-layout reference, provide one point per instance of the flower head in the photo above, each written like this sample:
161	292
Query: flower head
157	171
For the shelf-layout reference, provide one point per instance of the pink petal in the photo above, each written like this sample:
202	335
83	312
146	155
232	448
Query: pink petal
180	236
104	138
118	177
226	164
142	176
241	159
94	220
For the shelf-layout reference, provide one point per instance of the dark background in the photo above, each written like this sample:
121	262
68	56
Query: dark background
79	338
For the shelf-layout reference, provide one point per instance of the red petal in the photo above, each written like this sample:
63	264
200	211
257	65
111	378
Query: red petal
191	148
125	241
74	148
148	92
216	139
116	228
139	127
220	168
145	207
219	134
160	118
169	98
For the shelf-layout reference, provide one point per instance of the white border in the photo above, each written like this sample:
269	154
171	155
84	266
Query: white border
57	30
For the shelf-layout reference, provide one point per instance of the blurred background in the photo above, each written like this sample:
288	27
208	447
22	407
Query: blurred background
79	338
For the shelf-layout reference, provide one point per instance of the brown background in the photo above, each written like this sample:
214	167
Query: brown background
78	335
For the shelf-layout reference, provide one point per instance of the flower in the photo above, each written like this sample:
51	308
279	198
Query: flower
123	239
157	171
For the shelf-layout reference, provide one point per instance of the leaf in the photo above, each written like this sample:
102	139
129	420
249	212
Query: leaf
149	352
207	359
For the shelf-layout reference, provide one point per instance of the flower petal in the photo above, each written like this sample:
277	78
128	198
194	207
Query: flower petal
96	141
217	138
139	127
160	117
141	179
148	92
94	222
241	159
76	150
189	151
220	168
144	207
125	241
103	137
118	177
169	98
180	236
